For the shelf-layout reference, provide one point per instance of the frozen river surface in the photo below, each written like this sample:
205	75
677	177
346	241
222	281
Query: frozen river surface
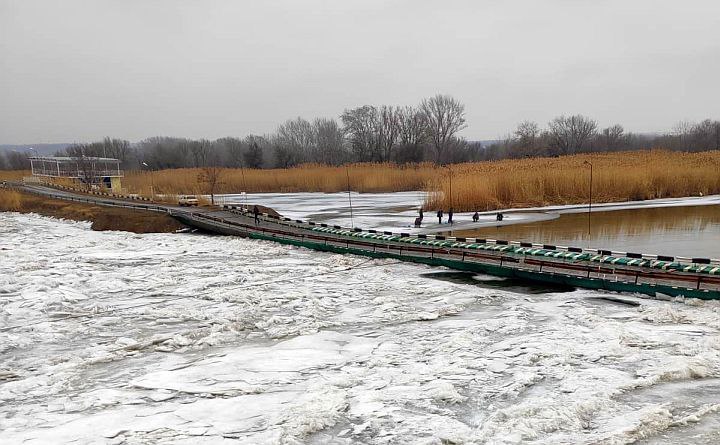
110	337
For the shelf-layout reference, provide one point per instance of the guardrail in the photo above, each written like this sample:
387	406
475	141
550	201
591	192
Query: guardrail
567	265
129	205
570	249
97	193
573	263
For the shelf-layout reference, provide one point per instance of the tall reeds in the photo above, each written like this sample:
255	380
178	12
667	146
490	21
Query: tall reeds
566	180
13	175
364	178
476	186
10	201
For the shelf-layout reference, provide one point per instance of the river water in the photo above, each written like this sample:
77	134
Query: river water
111	337
687	227
692	231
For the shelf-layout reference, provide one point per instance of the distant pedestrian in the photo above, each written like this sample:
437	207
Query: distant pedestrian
421	214
440	215
499	216
256	212
476	217
418	221
450	214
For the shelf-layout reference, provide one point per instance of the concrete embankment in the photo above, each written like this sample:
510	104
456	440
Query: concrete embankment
102	218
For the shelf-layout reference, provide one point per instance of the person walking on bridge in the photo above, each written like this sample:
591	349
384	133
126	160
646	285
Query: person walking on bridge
450	215
256	212
440	215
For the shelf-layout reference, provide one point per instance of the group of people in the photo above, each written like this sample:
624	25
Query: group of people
476	217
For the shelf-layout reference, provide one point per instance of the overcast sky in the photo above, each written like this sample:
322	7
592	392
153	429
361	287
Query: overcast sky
75	70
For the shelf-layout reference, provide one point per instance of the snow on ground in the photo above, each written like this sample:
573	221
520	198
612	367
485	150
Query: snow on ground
111	337
397	211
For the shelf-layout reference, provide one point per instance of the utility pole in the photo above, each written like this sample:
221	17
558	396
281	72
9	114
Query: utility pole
347	171
451	193
590	203
242	173
152	182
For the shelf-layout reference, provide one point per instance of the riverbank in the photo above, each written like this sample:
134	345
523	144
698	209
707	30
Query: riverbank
481	186
102	218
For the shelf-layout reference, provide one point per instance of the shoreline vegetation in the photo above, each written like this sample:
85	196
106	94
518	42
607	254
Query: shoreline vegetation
102	218
489	185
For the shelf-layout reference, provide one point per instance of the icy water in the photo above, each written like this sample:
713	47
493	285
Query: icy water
674	226
110	337
682	231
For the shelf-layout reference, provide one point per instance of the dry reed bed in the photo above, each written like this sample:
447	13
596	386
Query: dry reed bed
566	180
11	201
475	186
13	175
364	178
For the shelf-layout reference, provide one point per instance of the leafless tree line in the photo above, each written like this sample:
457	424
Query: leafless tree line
427	132
406	134
579	134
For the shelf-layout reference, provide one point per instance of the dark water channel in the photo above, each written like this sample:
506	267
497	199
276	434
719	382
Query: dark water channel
679	231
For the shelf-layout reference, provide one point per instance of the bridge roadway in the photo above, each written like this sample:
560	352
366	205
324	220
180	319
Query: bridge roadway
558	266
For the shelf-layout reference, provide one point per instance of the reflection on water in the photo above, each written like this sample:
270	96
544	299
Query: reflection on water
681	231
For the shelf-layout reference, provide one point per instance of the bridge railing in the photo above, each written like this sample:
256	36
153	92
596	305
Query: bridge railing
571	249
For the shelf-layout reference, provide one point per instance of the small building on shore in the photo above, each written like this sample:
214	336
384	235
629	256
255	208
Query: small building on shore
91	172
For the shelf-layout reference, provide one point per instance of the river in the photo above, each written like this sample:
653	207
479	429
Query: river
687	227
692	231
111	337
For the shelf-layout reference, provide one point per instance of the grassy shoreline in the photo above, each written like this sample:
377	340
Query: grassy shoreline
516	183
102	218
617	177
513	183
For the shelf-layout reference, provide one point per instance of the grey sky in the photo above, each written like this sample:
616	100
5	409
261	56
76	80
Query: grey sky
79	70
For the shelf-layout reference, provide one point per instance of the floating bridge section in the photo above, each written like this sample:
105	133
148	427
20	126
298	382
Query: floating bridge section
588	268
653	275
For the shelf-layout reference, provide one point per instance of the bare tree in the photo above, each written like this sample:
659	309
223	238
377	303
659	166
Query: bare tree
263	144
253	157
293	142
234	149
527	134
329	147
361	125
683	134
413	134
572	133
612	137
183	153
413	127
706	135
200	151
85	165
116	148
15	160
445	117
388	132
210	177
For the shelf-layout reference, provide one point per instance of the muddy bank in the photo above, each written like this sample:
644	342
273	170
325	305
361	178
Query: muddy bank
102	218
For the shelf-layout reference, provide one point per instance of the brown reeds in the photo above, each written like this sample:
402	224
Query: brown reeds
13	175
619	176
566	180
11	201
363	178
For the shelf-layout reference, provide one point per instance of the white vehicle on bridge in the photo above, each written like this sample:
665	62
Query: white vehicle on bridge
188	200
